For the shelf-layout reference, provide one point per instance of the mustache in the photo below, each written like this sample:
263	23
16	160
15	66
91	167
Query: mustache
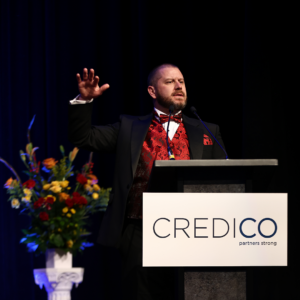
178	92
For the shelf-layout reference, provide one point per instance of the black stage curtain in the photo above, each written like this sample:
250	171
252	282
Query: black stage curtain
230	53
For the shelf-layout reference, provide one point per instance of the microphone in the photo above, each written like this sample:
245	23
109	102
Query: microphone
170	152
194	111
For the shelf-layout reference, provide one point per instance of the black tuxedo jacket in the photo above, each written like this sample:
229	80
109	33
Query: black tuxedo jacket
125	139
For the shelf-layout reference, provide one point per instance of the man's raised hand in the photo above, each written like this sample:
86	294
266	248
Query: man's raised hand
88	86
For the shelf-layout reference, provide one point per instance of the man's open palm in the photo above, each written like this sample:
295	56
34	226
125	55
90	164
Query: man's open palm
88	86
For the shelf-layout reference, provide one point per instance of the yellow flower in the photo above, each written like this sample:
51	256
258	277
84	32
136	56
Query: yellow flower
95	196
74	232
15	203
96	187
73	211
70	244
76	225
49	163
59	230
27	192
89	181
46	186
63	196
55	189
26	199
68	215
51	196
64	183
55	183
88	188
65	210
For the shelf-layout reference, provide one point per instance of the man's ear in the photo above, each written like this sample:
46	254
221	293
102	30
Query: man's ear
151	91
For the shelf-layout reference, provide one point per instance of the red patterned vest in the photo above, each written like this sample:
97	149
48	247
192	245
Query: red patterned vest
154	148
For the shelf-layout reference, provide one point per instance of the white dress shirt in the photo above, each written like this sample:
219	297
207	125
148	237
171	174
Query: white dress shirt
172	128
173	125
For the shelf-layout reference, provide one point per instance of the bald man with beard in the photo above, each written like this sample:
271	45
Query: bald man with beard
137	142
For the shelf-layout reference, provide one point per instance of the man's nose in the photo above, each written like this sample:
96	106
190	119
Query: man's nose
178	85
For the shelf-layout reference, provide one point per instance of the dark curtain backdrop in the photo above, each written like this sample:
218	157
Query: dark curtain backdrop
230	53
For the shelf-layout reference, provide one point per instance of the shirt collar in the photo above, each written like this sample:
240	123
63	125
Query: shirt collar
162	113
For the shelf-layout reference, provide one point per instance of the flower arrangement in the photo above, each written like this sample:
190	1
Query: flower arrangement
58	210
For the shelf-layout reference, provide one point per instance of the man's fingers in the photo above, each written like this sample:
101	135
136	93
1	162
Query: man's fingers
78	78
103	88
85	74
91	74
96	81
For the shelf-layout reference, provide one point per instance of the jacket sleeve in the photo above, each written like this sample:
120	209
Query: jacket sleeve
83	135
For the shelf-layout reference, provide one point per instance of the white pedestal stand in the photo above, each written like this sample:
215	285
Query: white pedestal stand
59	276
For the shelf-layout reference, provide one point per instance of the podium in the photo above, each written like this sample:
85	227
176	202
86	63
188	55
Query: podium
210	176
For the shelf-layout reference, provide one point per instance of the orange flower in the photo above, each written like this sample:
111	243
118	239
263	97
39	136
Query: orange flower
8	183
73	154
93	178
63	197
49	163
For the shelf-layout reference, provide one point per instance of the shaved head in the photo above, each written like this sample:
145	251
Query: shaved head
155	74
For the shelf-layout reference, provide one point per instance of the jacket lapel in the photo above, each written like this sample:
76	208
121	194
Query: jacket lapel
139	131
194	132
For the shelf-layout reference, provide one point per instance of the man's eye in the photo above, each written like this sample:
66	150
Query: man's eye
169	81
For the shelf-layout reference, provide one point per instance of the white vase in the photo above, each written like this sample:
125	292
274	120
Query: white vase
57	258
58	276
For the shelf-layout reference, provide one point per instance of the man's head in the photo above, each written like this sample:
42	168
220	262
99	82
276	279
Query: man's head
166	86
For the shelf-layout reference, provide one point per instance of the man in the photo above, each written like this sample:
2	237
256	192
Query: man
137	143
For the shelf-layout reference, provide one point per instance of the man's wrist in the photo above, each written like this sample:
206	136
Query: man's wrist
79	97
77	100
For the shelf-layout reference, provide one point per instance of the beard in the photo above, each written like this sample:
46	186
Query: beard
166	102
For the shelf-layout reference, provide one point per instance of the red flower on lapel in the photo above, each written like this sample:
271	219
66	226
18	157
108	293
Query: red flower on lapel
207	140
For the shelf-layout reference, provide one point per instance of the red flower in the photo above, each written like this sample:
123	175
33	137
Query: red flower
76	194
44	216
69	202
81	179
29	184
50	200
78	199
83	201
38	203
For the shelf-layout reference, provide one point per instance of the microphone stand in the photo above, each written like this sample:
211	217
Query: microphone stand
194	111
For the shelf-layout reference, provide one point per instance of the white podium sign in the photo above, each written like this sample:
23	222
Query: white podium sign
214	229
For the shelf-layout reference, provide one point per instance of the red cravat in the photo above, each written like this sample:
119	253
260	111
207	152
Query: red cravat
175	118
